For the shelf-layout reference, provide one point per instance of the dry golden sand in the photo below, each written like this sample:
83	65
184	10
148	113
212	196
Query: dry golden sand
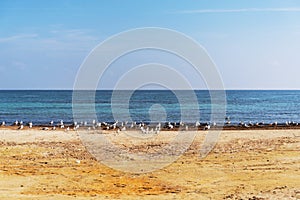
252	164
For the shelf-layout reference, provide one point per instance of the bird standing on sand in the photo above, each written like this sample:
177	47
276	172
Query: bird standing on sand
21	127
30	124
206	127
227	119
3	123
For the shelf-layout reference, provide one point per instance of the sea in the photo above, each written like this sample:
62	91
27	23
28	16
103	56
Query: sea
43	106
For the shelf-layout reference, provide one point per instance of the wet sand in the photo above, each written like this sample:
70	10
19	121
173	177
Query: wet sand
245	164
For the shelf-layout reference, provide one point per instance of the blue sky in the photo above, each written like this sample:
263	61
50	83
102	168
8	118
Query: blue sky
255	44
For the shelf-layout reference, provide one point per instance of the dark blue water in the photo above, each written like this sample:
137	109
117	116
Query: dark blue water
42	106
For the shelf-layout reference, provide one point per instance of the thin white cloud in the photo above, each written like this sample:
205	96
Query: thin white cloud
240	10
17	37
54	40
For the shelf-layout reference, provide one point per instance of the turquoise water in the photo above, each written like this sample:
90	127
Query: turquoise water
41	107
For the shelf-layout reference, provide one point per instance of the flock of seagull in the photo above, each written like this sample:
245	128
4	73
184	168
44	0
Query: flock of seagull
143	127
118	126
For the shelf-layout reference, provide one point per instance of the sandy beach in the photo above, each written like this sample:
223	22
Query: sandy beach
245	164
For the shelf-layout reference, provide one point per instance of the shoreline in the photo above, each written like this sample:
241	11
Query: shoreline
191	128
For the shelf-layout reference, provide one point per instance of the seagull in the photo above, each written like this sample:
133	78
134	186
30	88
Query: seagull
246	125
158	126
143	130
45	128
16	123
30	124
206	127
51	123
76	127
21	127
3	123
68	128
170	126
